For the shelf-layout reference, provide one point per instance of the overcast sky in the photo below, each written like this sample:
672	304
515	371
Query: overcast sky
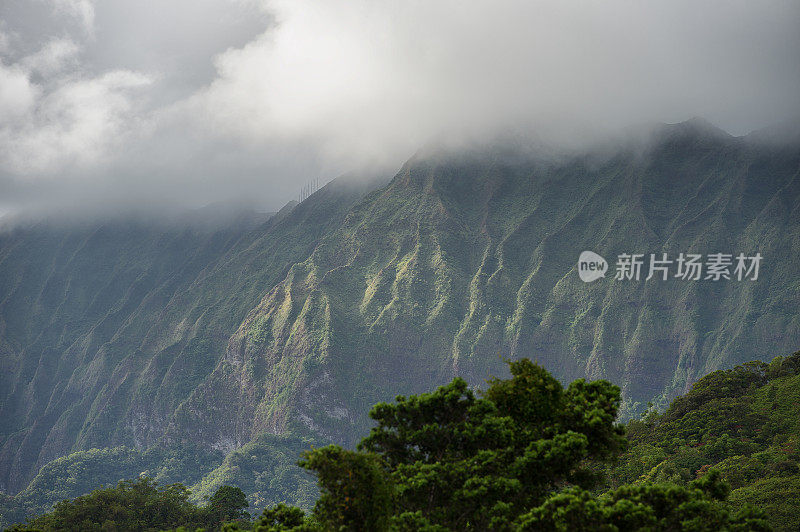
110	104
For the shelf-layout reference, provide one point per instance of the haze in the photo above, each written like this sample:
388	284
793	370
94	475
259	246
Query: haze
115	105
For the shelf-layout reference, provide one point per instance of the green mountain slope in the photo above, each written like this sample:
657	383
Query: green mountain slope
744	422
106	329
464	258
266	469
151	337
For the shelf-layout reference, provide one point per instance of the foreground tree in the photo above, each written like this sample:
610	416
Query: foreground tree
131	505
647	506
355	489
524	455
227	503
282	517
468	462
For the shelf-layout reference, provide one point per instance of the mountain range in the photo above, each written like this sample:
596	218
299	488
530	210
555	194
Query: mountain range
280	331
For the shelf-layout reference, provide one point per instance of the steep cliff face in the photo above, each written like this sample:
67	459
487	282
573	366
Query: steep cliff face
118	335
105	329
463	259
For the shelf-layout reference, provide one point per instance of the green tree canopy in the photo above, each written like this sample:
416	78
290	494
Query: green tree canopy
228	503
469	462
143	506
522	455
131	505
647	506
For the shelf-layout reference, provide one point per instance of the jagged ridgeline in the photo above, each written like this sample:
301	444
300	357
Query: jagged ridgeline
150	337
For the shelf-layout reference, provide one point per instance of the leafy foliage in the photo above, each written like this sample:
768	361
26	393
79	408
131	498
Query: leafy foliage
281	517
464	461
139	505
354	488
526	454
743	422
652	507
227	503
80	472
265	469
522	457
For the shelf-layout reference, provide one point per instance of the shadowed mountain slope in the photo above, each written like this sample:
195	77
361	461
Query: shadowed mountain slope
105	329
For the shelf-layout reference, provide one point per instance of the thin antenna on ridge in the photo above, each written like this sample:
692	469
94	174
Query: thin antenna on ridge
309	188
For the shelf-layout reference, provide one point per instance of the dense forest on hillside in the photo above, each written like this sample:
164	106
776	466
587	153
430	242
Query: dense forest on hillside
526	453
743	422
266	469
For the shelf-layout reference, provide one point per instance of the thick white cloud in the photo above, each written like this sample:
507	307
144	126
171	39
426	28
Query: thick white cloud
201	99
56	120
17	94
372	76
76	124
53	57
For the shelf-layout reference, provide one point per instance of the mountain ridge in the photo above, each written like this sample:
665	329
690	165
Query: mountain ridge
369	289
447	246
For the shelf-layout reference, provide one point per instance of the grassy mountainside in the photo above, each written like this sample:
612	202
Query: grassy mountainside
106	329
462	258
150	337
266	470
744	422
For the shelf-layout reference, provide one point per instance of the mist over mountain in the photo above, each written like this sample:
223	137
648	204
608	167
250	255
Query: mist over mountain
118	105
159	336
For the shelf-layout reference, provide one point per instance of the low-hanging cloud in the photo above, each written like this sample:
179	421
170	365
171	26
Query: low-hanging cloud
239	97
